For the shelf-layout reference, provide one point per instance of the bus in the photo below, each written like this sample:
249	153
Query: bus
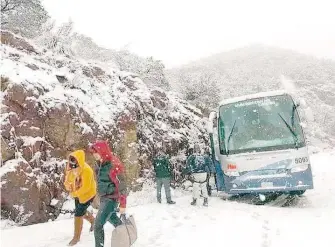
258	146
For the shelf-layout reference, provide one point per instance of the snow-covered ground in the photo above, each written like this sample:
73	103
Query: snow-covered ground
309	222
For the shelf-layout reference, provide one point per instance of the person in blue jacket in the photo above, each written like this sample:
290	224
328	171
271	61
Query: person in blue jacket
198	167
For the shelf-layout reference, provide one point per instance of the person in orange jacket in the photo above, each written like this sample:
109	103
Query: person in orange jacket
80	182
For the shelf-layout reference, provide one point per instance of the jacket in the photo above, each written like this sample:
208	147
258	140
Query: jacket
161	166
82	186
198	164
111	174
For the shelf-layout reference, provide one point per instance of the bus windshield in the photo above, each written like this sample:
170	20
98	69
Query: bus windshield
261	124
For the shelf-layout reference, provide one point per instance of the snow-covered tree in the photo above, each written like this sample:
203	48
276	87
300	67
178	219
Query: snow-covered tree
153	73
149	69
84	47
200	87
58	39
23	17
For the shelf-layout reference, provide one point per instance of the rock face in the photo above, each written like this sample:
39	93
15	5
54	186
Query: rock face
52	105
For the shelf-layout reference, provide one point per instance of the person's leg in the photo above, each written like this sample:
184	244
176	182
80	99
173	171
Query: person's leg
166	183
204	190
89	216
159	182
114	219
195	192
106	209
78	223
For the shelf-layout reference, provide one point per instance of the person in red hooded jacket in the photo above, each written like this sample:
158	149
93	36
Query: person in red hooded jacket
112	189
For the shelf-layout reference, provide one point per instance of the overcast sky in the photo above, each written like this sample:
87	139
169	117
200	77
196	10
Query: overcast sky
178	31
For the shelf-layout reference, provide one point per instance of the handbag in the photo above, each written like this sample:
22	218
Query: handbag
125	234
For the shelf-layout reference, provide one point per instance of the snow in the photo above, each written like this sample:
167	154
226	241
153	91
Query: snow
85	128
224	223
210	123
10	166
253	96
30	141
54	202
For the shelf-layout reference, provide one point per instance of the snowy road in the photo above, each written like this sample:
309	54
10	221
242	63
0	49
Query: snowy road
309	222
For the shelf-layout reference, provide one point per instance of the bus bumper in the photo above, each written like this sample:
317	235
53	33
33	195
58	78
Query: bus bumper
284	182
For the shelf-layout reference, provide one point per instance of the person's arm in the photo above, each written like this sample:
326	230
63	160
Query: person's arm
68	181
211	163
86	183
209	168
187	169
120	180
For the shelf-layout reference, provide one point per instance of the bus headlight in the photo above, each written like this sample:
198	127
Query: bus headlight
299	168
232	173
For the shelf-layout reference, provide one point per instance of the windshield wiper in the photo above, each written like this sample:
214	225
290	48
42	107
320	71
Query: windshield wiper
230	134
295	137
292	115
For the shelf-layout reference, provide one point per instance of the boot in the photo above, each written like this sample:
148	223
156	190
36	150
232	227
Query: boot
171	202
205	202
159	200
194	201
78	226
90	218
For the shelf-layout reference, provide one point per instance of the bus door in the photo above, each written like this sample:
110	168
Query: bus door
219	178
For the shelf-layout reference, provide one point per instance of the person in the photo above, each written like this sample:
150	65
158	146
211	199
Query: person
209	158
198	168
162	169
80	182
112	189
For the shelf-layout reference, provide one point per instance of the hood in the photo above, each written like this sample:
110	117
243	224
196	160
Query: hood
80	157
103	149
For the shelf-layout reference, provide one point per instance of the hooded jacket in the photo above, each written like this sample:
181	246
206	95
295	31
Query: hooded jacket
83	185
111	176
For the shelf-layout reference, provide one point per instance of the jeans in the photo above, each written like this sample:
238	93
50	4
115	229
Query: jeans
166	183
107	212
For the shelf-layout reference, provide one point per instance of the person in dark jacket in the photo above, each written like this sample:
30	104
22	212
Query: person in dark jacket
112	189
198	167
162	168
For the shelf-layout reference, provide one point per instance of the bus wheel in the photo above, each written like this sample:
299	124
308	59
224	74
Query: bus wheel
297	192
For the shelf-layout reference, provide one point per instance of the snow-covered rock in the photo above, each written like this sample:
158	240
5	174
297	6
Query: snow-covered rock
53	104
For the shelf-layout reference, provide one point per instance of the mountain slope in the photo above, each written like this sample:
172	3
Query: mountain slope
260	68
52	104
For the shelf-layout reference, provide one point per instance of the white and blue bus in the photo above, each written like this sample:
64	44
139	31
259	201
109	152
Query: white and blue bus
258	145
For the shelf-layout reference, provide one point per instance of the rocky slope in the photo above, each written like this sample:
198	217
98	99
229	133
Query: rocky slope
52	104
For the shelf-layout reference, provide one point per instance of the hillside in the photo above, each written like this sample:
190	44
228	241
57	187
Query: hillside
52	104
260	68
